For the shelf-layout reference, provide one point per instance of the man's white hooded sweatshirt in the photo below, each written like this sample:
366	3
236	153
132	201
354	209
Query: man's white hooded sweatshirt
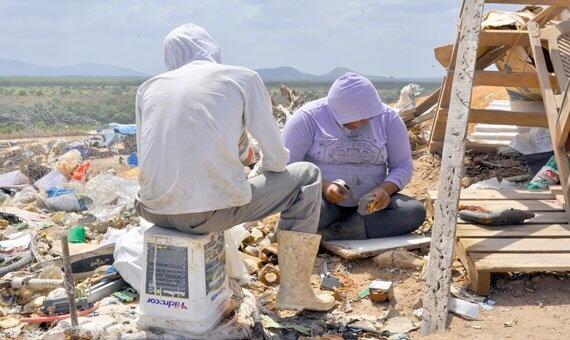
189	121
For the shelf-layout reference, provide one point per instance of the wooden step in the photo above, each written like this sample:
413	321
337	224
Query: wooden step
509	231
507	262
516	245
521	117
500	194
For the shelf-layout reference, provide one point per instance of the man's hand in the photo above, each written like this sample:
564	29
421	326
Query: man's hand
333	192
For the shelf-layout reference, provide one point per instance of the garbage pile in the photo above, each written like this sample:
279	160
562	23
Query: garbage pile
50	190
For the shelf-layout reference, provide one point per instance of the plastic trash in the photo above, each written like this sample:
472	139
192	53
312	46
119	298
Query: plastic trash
26	196
80	173
57	191
124	129
66	202
76	234
537	140
67	163
110	190
52	179
13	178
547	176
128	255
133	161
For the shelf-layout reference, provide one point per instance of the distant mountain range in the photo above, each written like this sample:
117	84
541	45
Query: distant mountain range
10	67
287	73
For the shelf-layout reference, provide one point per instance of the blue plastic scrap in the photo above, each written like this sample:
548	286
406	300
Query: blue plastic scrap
124	129
133	161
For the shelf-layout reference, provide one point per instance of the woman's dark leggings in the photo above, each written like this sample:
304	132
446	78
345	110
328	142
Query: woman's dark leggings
402	216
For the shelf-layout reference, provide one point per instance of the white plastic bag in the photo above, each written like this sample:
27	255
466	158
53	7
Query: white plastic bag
128	255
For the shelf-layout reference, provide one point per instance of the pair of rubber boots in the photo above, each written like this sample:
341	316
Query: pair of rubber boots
297	252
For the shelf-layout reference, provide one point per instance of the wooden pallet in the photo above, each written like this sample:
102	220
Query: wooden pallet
542	244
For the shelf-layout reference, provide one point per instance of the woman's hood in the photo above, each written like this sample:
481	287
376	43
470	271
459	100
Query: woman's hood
353	97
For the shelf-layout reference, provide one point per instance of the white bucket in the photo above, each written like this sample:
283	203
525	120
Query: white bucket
185	287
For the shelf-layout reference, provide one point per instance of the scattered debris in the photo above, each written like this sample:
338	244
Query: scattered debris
381	291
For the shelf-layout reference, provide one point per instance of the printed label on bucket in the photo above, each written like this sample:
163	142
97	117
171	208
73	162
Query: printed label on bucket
167	270
215	264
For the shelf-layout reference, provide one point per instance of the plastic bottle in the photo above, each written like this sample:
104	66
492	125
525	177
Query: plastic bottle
548	175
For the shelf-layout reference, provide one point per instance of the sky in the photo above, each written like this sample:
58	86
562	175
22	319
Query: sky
374	37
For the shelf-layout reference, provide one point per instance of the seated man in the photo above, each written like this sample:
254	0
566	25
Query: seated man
361	146
189	122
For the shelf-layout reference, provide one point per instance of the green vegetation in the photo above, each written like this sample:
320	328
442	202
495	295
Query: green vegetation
43	105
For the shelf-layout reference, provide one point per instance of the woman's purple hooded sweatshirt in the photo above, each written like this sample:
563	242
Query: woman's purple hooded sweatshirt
364	158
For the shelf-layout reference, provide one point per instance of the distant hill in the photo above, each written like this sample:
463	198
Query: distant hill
287	73
10	67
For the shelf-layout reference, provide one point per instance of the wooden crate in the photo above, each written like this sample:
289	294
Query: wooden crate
540	245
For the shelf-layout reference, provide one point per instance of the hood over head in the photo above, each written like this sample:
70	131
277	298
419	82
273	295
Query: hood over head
353	97
187	43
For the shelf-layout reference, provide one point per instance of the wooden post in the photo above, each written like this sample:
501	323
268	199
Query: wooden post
438	278
69	284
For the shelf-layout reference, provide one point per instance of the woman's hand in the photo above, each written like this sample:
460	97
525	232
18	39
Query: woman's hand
382	195
333	192
381	199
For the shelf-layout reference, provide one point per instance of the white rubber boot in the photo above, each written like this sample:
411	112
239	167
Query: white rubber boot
297	252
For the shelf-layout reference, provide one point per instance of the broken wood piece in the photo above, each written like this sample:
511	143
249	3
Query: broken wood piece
269	253
353	249
269	275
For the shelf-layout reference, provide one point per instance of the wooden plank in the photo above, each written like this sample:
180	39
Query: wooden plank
480	280
524	230
422	107
530	205
516	245
513	79
513	262
503	117
503	37
500	194
530	2
439	272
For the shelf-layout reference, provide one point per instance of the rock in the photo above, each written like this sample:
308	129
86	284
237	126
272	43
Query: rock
398	325
399	258
9	322
418	313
